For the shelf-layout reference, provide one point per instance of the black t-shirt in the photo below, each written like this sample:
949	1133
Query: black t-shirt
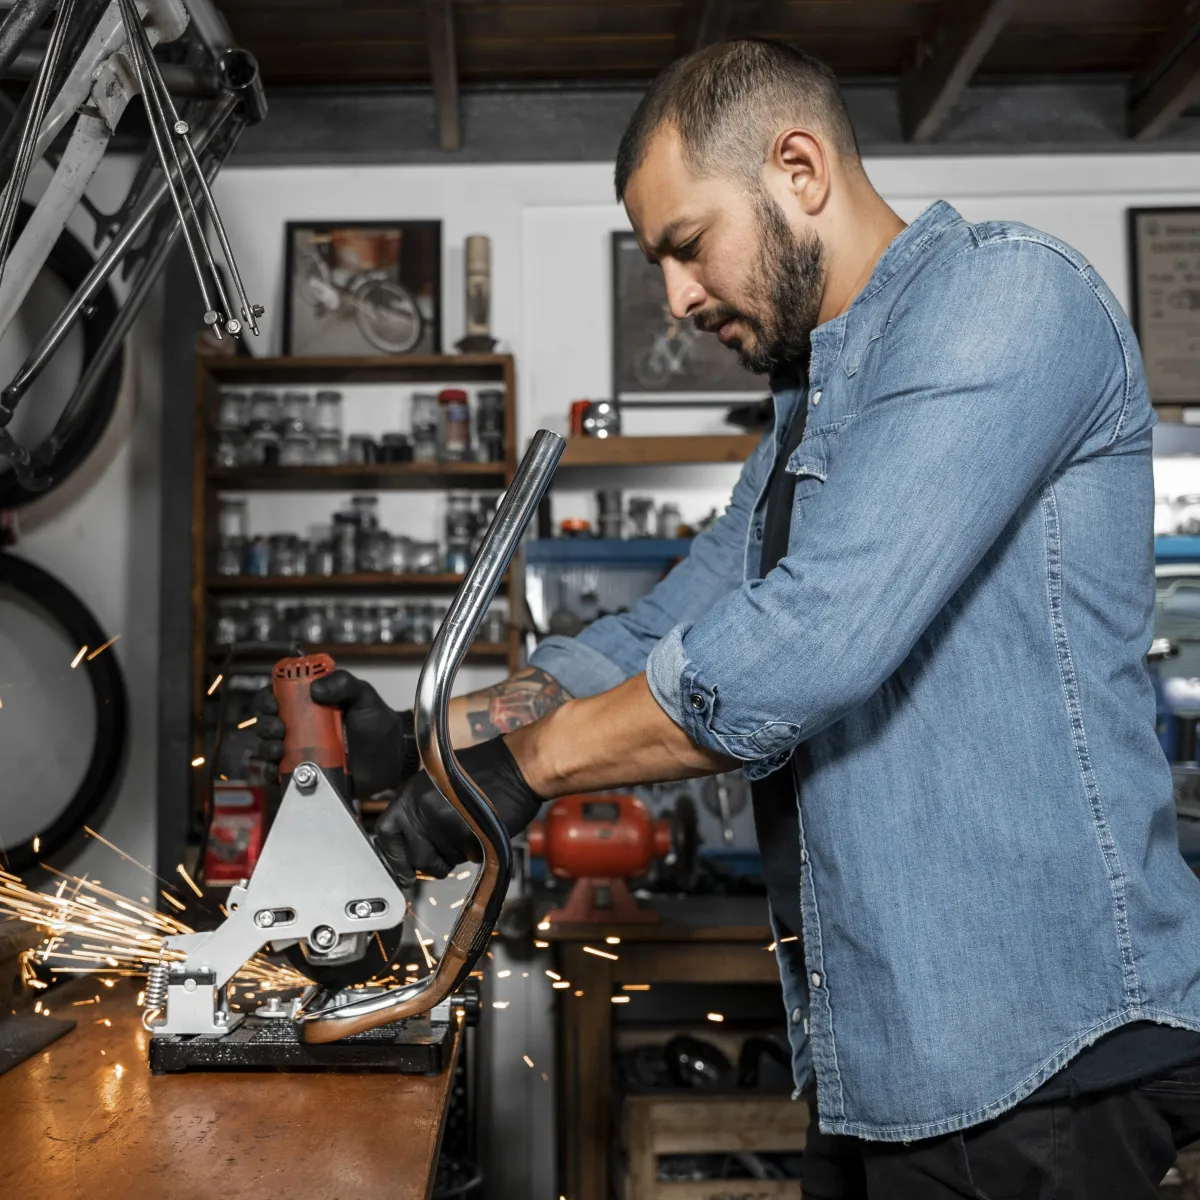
1136	1051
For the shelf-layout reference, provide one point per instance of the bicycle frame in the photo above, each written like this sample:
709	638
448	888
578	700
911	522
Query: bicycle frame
105	76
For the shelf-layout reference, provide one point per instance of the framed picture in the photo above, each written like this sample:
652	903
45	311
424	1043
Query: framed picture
1164	254
654	353
363	288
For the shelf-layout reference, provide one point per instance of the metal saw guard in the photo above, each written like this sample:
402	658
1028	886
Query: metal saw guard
472	930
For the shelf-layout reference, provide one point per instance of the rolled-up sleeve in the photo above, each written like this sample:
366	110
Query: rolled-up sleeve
972	409
616	647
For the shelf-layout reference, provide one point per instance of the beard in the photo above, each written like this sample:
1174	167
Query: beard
789	275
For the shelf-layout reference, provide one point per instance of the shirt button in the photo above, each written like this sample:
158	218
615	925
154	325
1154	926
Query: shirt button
697	701
758	533
816	979
797	1016
816	397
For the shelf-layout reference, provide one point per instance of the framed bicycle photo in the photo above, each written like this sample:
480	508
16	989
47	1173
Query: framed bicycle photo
652	352
363	288
1164	261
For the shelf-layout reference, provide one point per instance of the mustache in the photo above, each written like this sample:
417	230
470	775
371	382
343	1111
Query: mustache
711	319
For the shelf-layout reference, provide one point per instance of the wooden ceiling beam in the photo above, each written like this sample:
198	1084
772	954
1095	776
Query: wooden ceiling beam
1172	84
443	63
705	22
966	31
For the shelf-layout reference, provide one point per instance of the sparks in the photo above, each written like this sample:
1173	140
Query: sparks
599	953
101	649
619	999
37	844
527	1060
541	945
554	974
559	984
718	1017
78	657
216	683
459	902
181	870
635	987
503	974
463	875
543	925
247	722
613	940
171	900
198	761
499	1003
579	993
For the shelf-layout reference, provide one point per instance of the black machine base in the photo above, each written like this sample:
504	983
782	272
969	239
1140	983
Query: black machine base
415	1047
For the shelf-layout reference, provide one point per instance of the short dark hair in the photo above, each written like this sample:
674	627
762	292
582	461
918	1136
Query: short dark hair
728	101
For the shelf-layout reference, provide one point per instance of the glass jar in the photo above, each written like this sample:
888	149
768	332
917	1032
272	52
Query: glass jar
368	626
454	425
670	521
400	554
258	556
366	511
487	505
228	450
374	550
312	629
264	406
261	625
424	426
489	424
298	409
228	625
390	627
285	556
261	448
232	412
345	543
232	519
344	630
426	558
321	560
230	553
328	452
299	447
493	629
641	513
395	448
361	449
460	529
422	624
329	413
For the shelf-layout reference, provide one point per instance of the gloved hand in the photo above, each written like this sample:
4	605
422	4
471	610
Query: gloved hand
380	742
422	831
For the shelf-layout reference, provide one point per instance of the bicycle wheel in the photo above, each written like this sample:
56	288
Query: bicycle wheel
57	453
388	316
53	785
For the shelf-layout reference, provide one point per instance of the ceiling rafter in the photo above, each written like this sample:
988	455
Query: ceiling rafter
439	22
966	31
1172	84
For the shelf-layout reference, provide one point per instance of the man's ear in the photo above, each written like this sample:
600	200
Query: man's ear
800	165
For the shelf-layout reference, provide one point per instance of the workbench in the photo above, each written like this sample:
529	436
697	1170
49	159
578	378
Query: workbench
85	1117
698	940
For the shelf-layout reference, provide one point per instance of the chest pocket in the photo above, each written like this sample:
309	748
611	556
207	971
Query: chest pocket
809	462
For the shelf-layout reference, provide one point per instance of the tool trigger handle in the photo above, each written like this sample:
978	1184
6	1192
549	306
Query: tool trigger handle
313	731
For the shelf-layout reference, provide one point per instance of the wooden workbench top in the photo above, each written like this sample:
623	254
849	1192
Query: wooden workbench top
85	1118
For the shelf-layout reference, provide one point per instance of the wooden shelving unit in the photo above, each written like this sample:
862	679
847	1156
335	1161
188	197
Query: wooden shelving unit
209	482
658	451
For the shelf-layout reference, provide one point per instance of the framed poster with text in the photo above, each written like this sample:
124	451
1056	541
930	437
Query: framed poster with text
1164	256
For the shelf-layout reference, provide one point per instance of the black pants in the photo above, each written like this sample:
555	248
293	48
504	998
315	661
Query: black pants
1114	1145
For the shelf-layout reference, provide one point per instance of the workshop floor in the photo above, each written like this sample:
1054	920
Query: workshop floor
1189	1187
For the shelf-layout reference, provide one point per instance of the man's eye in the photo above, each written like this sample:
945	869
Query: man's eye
688	250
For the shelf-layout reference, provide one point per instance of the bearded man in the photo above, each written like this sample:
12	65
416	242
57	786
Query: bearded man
920	627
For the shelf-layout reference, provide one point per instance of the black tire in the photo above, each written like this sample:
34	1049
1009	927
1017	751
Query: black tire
70	260
71	615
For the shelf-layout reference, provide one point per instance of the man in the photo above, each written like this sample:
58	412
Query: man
921	628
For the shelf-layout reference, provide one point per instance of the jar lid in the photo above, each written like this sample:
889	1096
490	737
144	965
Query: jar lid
452	396
575	525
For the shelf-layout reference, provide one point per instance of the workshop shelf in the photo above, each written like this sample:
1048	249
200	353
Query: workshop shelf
356	582
360	477
626	450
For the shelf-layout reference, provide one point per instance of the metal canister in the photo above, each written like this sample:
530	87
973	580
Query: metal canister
489	424
345	543
258	556
454	425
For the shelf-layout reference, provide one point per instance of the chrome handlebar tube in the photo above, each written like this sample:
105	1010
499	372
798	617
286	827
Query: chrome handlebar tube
478	914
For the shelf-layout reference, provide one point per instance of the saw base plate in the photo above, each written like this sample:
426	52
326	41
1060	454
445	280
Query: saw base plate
415	1047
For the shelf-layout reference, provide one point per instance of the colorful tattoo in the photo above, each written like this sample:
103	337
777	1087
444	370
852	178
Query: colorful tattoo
518	701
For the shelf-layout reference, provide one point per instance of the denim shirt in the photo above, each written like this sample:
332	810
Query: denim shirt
990	872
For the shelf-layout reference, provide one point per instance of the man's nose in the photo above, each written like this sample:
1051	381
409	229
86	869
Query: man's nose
684	294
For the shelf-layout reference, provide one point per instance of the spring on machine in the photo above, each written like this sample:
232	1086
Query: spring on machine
156	993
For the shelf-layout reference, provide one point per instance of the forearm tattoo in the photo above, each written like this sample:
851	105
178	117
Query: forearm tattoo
518	701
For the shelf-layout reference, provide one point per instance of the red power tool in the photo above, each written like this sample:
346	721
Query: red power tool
600	842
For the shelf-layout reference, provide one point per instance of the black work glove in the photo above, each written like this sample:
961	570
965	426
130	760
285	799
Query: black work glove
380	742
422	831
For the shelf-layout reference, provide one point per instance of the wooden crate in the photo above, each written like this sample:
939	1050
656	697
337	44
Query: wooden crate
675	1124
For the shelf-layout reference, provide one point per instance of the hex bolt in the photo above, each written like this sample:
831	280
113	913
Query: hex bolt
181	127
305	776
233	326
362	908
275	1004
264	919
323	937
